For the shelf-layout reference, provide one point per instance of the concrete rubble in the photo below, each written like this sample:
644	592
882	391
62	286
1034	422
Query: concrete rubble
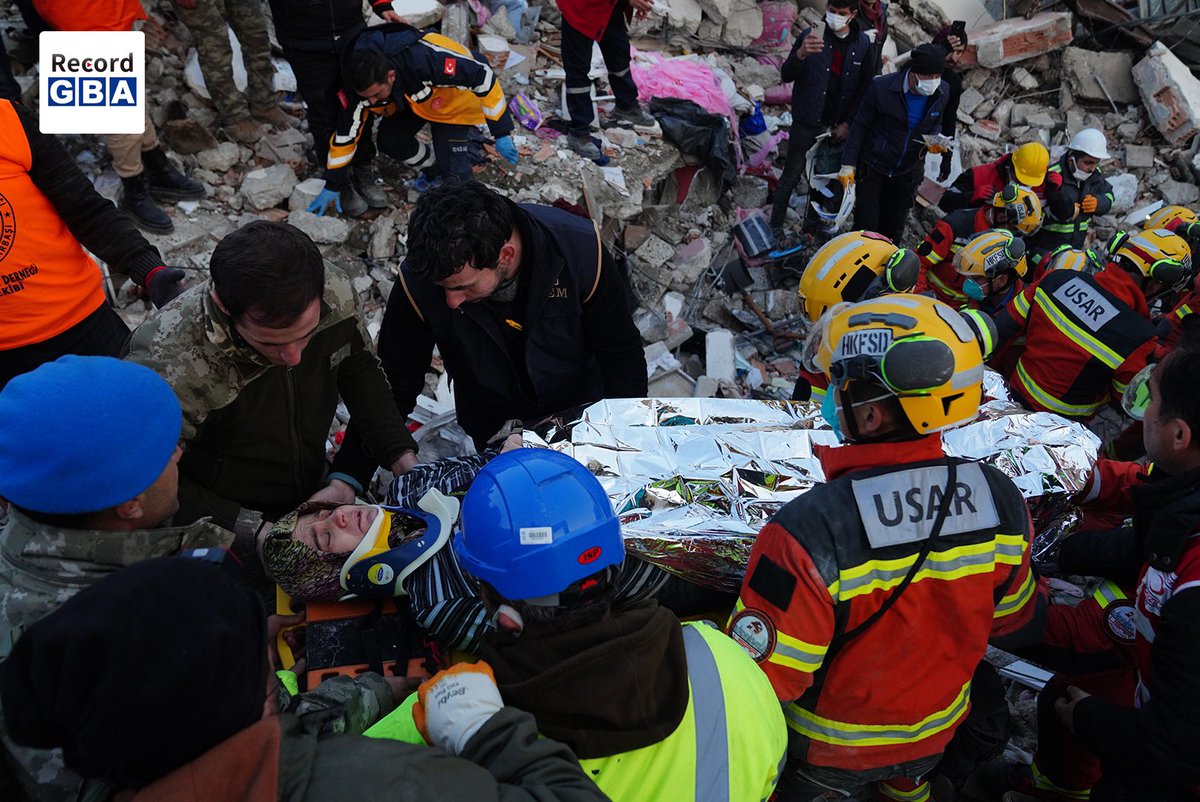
667	219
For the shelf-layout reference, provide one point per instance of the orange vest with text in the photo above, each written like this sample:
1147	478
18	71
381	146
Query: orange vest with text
48	283
93	15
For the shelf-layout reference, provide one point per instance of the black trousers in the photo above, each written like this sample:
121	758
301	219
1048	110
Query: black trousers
9	88
577	60
800	138
398	139
319	77
102	333
882	202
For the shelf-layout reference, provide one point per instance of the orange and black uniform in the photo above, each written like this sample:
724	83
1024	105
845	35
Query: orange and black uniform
52	299
1085	338
438	81
893	693
937	251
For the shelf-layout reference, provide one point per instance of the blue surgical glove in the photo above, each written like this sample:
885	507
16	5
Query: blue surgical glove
322	201
506	148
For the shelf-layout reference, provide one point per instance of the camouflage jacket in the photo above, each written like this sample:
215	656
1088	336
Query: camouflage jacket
256	432
40	568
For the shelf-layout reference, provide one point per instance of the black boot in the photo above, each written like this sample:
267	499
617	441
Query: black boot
165	182
144	211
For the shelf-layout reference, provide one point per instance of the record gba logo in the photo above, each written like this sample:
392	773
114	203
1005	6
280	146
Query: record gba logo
93	82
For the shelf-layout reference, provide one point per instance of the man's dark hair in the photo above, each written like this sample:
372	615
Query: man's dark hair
457	224
366	68
848	5
268	272
1177	389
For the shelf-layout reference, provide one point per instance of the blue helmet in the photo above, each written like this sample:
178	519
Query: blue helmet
535	522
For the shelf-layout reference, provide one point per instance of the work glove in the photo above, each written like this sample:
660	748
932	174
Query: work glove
938	150
162	284
846	176
506	148
947	163
321	203
1089	203
455	703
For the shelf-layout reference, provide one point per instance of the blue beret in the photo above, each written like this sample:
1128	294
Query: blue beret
85	433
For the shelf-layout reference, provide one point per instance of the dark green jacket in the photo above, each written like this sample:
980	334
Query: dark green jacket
255	432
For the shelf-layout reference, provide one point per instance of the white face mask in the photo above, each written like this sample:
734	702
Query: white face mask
927	86
1080	175
836	22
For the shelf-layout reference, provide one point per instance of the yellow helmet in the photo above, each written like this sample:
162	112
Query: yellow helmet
990	253
1064	257
1169	214
1030	162
855	266
1024	208
1155	253
918	349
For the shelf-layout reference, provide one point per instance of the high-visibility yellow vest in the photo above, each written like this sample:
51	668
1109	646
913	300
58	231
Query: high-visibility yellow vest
729	747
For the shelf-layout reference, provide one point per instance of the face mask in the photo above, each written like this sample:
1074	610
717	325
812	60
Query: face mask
830	414
927	86
836	22
973	290
1080	175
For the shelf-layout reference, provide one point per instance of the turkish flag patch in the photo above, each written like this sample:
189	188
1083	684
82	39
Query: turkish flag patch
341	96
450	66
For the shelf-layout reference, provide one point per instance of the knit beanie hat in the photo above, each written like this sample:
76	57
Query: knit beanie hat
304	573
928	59
140	673
85	433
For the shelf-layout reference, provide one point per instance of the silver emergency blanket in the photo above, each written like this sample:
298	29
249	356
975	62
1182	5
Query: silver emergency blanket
695	479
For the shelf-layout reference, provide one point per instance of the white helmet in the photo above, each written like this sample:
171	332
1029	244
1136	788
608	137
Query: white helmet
1092	142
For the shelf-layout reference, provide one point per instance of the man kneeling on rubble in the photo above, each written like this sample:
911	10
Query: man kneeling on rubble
156	683
88	463
318	553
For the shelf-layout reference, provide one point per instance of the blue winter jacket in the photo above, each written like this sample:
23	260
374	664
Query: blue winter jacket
880	137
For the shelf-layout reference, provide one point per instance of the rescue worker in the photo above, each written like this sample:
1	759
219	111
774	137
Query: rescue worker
260	356
1014	207
1064	257
992	265
74	520
524	304
1147	745
586	24
682	713
155	682
1184	222
1178	220
835	604
854	266
412	78
1027	166
1087	336
1083	193
829	75
52	299
885	149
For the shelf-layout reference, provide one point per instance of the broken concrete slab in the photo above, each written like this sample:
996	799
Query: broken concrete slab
305	193
654	252
1125	191
706	387
1139	156
220	158
970	99
1024	78
1016	39
1170	93
692	259
750	192
383	238
267	186
1178	193
743	25
718	10
988	129
685	15
419	13
1086	70
323	230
